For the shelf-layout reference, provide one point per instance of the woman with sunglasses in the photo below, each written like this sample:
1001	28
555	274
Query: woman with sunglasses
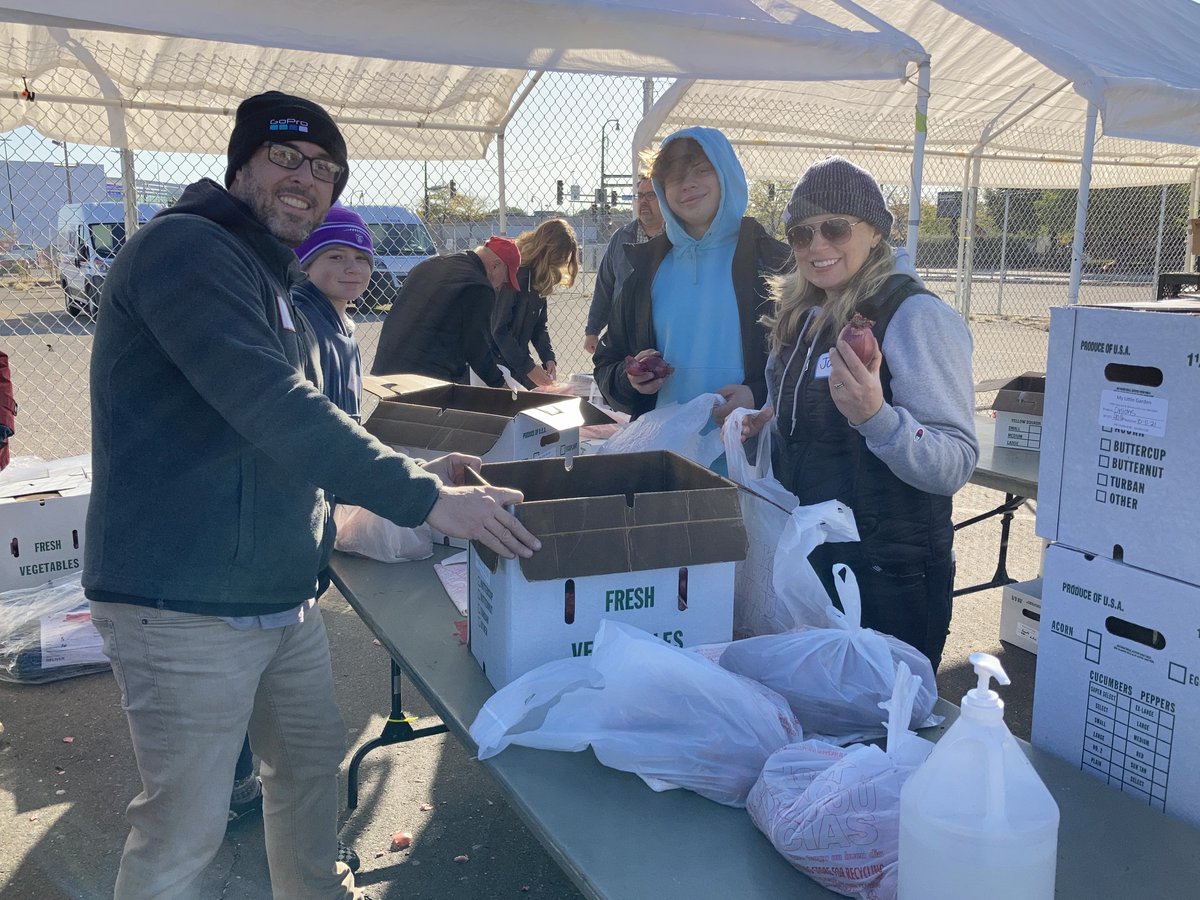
892	437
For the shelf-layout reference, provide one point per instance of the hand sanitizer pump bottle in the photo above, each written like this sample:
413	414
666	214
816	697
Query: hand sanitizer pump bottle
975	819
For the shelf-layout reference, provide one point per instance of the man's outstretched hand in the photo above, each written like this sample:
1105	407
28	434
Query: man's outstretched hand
478	514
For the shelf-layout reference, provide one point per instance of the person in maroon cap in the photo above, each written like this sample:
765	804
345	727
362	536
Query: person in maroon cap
440	324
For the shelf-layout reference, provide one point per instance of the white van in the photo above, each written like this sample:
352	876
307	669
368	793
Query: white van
401	241
88	238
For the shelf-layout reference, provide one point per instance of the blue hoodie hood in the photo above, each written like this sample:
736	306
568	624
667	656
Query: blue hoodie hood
731	177
695	312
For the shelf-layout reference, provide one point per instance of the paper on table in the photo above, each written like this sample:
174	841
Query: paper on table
453	574
70	639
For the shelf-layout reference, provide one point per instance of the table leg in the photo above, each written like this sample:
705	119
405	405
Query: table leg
1001	576
397	729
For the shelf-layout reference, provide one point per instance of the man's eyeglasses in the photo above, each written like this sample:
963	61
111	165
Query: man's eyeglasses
290	158
836	231
643	196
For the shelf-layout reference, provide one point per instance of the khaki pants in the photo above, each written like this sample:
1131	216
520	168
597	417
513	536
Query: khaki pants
192	686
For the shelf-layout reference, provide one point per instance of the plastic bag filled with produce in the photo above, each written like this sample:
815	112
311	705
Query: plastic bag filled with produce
834	812
671	717
835	677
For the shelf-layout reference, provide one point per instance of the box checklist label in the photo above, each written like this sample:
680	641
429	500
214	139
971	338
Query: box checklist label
1128	744
1126	469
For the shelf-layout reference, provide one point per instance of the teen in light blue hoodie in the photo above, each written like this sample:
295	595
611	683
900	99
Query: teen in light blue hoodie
697	289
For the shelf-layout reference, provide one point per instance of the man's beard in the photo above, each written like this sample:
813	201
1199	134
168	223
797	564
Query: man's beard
290	226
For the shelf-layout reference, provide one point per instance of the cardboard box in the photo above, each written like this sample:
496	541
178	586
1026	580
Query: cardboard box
1118	678
1021	614
1018	407
496	425
1120	456
650	539
42	521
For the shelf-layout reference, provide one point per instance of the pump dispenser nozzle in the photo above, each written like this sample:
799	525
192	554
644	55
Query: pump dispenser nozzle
982	700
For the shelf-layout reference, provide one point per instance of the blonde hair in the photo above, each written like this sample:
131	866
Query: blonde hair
551	253
794	296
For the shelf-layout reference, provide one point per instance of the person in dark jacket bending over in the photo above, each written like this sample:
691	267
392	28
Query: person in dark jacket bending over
893	437
211	452
695	293
441	322
549	258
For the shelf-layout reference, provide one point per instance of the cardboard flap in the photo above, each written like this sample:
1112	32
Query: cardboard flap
389	387
620	513
1023	394
407	425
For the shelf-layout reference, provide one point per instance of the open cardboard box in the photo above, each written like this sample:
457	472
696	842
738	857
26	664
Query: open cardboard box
1018	406
650	539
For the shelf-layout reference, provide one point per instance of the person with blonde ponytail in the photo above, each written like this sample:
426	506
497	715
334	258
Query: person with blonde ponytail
549	259
891	436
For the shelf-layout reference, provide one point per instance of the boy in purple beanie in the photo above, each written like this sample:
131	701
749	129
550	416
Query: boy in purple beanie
337	258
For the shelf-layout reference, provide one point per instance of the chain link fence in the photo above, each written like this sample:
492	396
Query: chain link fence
1002	260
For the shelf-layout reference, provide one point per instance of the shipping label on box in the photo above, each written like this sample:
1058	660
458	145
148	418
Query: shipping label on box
1118	678
1021	614
1119	454
650	539
42	529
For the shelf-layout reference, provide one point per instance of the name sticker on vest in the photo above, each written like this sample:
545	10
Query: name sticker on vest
285	314
824	366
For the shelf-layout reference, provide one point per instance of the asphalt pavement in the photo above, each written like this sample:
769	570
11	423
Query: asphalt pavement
62	803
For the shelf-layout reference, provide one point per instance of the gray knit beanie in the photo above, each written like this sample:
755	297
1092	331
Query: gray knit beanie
836	185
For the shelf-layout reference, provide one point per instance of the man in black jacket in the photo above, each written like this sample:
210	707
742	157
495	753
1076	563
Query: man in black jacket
440	324
211	452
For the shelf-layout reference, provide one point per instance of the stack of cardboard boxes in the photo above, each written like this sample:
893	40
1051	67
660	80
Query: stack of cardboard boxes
1118	680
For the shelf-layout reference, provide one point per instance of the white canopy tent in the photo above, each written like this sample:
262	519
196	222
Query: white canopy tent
145	56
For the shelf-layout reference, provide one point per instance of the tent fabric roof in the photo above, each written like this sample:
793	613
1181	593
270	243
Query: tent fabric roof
205	58
1028	65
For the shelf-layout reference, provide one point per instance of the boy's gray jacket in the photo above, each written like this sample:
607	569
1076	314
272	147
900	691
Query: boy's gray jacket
210	447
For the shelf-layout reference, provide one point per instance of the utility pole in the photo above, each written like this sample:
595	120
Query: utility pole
66	168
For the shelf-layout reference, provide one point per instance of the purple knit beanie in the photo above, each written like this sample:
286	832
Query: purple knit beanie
341	226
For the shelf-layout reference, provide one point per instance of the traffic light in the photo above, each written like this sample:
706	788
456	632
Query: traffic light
771	192
599	196
613	196
559	191
453	189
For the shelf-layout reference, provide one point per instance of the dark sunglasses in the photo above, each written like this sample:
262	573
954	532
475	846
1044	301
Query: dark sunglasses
290	158
836	231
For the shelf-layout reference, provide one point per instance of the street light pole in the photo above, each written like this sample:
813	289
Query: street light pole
66	168
12	208
603	148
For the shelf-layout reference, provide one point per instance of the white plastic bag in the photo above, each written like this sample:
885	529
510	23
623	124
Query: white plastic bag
800	597
667	715
766	509
362	533
679	427
26	615
835	677
834	813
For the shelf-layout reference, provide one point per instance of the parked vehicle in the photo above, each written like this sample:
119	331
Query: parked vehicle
88	238
401	241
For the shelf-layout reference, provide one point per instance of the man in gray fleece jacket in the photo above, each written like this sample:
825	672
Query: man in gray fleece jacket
212	450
